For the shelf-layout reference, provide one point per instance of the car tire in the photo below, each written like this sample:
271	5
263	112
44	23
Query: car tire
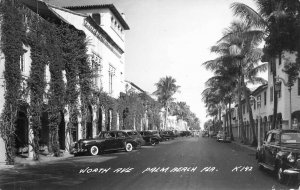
152	142
281	177
128	147
94	150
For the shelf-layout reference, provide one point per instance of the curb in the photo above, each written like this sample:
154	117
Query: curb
244	146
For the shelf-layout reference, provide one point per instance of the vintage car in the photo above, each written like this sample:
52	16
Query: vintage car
280	153
222	136
156	133
167	135
150	138
105	141
136	136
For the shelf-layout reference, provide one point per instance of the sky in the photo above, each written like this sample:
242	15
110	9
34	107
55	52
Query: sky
173	38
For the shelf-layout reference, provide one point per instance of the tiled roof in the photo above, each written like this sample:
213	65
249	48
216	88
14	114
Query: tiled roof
89	4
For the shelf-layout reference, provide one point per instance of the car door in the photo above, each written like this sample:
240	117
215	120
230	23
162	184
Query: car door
270	149
110	141
120	139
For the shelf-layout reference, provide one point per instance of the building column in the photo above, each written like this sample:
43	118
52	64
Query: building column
118	122
3	151
67	130
79	129
30	140
94	122
103	120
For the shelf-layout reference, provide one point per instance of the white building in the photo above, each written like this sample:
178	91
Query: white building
104	27
262	108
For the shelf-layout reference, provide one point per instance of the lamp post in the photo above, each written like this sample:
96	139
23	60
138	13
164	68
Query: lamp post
258	130
277	86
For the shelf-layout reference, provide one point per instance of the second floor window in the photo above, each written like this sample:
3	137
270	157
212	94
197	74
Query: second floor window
97	18
271	94
265	98
111	74
258	101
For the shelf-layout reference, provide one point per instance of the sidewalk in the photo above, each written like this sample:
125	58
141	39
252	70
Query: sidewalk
24	161
237	142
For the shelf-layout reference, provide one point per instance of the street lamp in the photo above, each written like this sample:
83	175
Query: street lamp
277	86
258	130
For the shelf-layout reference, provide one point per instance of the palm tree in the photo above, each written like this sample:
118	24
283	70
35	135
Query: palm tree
276	23
238	48
166	88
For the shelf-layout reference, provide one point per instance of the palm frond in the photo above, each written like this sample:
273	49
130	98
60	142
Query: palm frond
248	15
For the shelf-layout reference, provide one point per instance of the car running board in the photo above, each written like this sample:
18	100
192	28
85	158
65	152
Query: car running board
267	166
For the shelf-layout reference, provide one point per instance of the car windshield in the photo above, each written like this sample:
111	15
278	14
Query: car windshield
290	138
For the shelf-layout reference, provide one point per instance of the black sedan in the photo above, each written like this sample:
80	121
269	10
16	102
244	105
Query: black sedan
149	137
280	153
167	135
105	141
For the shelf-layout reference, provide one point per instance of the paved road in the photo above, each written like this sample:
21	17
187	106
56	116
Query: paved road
184	163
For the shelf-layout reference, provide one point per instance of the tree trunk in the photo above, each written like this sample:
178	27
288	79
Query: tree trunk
274	94
254	139
230	124
240	114
166	116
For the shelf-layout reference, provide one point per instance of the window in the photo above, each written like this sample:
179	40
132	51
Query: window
271	94
254	104
97	18
111	74
243	108
279	91
96	68
265	97
258	101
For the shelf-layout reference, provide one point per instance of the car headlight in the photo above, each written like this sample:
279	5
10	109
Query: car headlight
291	158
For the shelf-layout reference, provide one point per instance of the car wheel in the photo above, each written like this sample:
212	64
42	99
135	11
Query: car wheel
94	150
281	177
128	147
152	142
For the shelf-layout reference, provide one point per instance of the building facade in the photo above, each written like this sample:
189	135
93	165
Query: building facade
288	109
104	27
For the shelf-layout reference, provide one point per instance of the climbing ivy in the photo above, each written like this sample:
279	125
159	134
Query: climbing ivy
12	34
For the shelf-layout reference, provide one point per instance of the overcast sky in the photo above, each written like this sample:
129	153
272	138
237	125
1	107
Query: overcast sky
173	38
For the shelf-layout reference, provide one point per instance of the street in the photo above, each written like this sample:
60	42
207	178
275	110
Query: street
183	163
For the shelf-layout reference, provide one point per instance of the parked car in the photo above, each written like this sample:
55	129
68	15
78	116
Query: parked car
280	153
185	133
222	136
156	133
105	141
150	138
167	135
136	136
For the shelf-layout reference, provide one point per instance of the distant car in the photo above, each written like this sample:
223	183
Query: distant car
280	153
136	136
167	135
222	136
185	133
150	138
205	134
105	141
156	133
